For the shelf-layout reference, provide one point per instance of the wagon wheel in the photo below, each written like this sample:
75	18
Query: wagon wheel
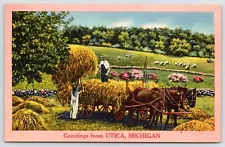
118	115
105	108
85	110
144	113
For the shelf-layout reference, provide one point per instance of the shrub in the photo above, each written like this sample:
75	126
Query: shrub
194	125
137	74
114	74
193	54
106	44
26	119
152	76
39	108
198	79
177	77
124	75
116	46
40	100
160	52
16	100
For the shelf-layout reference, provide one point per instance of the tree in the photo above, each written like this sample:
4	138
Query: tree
179	47
37	44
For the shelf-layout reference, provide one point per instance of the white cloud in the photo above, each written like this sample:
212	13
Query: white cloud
150	26
121	23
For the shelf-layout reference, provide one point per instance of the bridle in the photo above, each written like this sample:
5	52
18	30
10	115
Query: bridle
191	98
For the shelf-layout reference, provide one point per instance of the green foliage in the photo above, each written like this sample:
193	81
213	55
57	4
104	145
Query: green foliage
37	44
138	38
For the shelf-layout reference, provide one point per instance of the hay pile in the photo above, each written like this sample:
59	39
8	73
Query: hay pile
210	121
39	108
16	100
194	125
40	100
26	119
197	114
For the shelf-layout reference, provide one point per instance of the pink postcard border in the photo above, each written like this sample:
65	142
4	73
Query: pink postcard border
58	136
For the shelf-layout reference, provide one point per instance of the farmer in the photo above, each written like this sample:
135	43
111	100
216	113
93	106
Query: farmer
74	100
104	66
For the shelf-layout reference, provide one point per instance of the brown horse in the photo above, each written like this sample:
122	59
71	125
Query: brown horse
190	101
155	99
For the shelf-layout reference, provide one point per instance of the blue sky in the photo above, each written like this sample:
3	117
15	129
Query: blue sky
196	22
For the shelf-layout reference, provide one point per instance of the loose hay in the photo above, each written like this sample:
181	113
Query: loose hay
26	119
197	114
39	108
16	100
210	121
194	125
40	100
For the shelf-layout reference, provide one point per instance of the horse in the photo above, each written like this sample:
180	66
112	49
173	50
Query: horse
153	99
190	96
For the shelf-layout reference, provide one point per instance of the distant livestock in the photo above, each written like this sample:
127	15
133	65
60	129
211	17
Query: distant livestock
210	60
156	62
166	63
194	65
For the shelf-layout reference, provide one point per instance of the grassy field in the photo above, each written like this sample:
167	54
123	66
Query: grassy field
48	84
139	58
59	119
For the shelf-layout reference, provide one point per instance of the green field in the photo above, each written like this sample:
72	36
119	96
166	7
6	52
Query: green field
138	59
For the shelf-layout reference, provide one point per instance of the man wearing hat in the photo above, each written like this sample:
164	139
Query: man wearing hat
104	66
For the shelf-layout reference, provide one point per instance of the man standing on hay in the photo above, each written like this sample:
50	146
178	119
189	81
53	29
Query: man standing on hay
104	66
75	99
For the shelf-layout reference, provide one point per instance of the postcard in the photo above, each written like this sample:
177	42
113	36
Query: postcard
112	73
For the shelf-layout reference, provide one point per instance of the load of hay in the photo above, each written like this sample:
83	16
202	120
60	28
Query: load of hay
197	114
194	125
16	100
82	62
112	92
39	108
40	100
26	119
210	121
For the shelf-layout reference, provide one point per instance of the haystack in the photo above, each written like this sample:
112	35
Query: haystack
26	119
194	125
39	108
40	100
16	100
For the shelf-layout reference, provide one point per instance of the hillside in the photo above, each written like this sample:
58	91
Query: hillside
138	59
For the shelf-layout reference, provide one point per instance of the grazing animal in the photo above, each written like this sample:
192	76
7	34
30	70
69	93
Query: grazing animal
161	63
156	62
166	62
194	65
210	60
177	64
187	66
181	64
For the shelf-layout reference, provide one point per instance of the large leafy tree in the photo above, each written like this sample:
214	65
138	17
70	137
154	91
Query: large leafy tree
37	44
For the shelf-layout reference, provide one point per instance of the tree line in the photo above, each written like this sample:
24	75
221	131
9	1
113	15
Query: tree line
175	42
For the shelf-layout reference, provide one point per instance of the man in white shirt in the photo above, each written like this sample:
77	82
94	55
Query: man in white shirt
74	102
104	68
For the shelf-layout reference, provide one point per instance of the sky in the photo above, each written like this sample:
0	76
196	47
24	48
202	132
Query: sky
195	21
